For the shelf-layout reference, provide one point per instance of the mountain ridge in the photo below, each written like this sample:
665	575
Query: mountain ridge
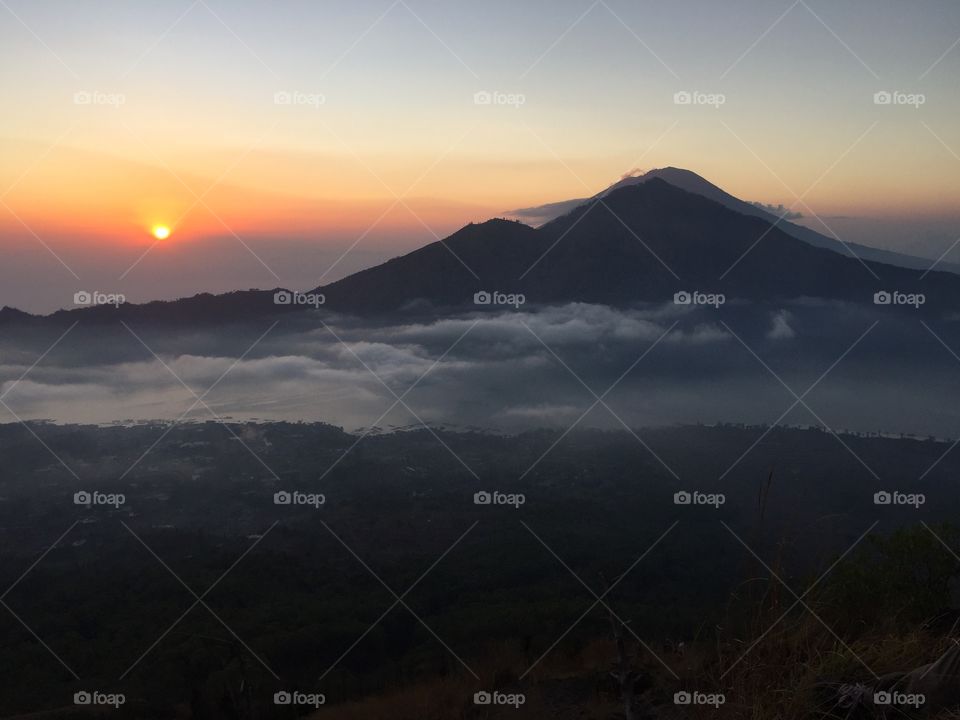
638	243
694	183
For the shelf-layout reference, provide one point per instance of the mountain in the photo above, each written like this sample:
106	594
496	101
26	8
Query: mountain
694	183
205	308
490	256
640	241
646	240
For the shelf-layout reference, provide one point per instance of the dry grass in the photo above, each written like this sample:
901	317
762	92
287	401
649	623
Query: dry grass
794	670
789	675
770	660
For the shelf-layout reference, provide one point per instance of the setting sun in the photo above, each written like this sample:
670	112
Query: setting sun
161	232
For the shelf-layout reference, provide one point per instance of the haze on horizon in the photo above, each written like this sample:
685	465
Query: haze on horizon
292	144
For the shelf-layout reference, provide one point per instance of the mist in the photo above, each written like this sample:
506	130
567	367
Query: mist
508	371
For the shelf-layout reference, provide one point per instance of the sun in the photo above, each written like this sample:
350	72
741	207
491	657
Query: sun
161	232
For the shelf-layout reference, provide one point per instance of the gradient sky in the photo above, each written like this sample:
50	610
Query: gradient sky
285	191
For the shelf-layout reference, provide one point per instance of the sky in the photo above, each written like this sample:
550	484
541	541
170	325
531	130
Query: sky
290	143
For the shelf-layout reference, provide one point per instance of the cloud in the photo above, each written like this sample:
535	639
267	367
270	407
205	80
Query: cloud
506	370
781	329
779	210
541	214
635	172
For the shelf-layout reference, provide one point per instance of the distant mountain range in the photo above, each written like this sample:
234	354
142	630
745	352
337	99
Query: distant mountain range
644	239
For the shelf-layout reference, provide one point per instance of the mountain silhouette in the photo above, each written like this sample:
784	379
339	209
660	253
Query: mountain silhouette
489	255
637	242
694	183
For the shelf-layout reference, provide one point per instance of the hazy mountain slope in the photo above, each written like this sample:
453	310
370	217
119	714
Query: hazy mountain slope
202	308
694	183
486	256
691	182
608	253
604	256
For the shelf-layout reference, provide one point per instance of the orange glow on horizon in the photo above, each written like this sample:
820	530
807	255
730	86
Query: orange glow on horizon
84	196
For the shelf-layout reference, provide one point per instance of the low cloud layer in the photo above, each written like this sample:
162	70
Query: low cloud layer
509	371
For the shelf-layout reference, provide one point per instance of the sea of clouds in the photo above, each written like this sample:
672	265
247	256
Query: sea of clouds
508	370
